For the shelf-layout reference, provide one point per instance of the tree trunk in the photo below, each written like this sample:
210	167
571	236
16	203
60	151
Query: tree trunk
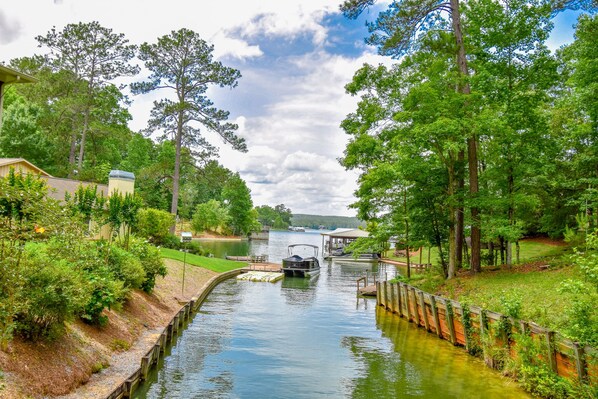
459	228
72	152
83	136
177	170
491	252
472	153
517	251
406	232
452	224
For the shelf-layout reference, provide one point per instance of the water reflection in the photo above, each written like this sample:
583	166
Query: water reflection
311	339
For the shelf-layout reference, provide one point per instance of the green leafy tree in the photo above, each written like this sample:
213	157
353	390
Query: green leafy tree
395	32
183	63
210	216
21	135
93	54
153	224
237	198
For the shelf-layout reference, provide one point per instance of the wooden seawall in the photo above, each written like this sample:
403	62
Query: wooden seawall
466	325
127	388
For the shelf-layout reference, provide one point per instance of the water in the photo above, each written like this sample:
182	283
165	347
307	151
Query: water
303	338
275	247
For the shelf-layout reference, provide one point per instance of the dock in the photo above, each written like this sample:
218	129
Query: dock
265	267
253	275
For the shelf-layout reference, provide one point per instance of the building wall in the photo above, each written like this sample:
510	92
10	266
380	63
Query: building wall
20	167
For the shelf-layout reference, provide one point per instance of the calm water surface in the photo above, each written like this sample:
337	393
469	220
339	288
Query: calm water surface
313	339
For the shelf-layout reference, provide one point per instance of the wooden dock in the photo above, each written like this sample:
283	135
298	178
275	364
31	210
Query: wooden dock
265	267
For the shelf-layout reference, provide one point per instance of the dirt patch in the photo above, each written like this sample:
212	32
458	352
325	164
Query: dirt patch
89	361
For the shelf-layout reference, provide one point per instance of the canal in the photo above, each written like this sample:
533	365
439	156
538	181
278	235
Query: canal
314	338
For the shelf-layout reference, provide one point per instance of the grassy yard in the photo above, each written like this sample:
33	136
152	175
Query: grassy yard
533	284
214	264
530	250
537	291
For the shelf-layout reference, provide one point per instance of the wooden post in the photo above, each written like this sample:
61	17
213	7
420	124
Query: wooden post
450	322
407	302
416	313
483	326
393	307
465	332
385	290
580	362
423	306
145	363
399	300
436	318
551	354
378	293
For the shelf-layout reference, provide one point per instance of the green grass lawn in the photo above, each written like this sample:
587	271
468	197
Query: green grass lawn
529	251
538	292
214	264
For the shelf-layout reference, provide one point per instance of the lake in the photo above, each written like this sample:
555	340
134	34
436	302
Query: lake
302	338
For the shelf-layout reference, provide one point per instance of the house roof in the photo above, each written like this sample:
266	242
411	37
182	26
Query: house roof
9	75
11	161
347	233
59	187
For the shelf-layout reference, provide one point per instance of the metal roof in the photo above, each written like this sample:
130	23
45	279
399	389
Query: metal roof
9	75
347	233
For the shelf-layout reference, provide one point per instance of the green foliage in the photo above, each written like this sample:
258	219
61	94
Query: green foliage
153	224
151	261
125	266
190	81
122	215
53	292
106	292
329	222
237	198
210	216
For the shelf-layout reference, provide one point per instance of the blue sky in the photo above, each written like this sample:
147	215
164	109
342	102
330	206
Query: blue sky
295	58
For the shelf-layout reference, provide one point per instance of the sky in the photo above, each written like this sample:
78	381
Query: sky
295	57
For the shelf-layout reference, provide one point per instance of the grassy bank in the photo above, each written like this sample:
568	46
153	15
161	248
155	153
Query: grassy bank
214	264
529	250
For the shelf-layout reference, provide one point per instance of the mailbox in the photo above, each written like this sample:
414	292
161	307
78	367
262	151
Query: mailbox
186	236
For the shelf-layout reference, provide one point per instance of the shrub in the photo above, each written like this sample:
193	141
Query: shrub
53	291
171	241
126	267
151	261
106	292
154	224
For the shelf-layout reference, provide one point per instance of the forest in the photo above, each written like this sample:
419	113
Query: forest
73	122
478	135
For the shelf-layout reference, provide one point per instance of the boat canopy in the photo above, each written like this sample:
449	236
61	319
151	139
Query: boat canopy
347	233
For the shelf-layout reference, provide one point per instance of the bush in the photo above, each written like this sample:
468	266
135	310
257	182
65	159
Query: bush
105	293
125	267
171	241
154	224
151	261
53	292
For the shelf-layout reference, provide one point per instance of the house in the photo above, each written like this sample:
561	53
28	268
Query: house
118	180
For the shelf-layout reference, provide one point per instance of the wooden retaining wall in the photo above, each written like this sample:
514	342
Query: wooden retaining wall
186	313
444	317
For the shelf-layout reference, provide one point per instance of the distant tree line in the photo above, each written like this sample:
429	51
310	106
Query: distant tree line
326	222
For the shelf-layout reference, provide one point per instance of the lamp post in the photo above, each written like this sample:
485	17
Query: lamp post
186	237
